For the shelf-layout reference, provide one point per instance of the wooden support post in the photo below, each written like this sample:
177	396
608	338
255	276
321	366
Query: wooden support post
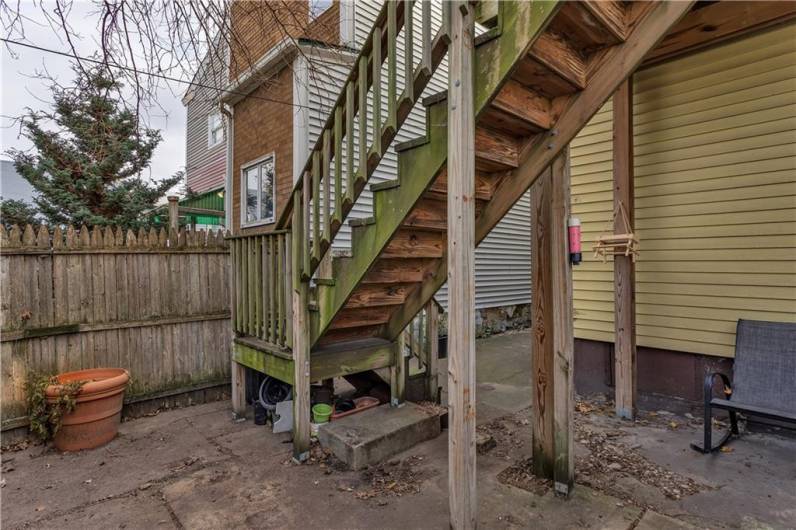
301	346
563	340
542	327
238	390
398	373
432	350
552	338
624	267
461	270
174	212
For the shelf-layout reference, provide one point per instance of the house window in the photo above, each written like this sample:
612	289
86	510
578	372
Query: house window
319	6
215	130
258	191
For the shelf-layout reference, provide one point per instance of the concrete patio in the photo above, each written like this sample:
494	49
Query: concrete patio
196	468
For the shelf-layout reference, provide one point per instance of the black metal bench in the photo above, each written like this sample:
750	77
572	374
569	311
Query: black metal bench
764	381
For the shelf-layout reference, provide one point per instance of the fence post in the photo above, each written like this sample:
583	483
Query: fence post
174	212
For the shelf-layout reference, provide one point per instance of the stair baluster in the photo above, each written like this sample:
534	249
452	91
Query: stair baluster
341	128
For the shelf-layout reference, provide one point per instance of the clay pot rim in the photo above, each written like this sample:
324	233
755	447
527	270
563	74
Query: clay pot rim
101	380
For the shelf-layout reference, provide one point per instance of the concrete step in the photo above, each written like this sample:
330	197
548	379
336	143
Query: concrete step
376	434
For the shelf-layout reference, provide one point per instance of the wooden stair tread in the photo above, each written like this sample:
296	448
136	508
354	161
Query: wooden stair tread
354	344
530	101
378	294
583	26
558	55
399	270
361	316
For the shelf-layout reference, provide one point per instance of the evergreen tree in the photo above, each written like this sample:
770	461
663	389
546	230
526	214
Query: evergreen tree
16	212
90	151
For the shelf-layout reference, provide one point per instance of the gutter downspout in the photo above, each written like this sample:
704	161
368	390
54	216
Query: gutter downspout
228	113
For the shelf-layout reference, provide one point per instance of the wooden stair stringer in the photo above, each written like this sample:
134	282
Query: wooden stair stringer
390	206
617	64
496	56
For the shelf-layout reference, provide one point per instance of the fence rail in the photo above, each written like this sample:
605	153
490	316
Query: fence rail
262	272
152	302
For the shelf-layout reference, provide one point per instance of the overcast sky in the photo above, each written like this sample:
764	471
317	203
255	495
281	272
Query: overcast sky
18	90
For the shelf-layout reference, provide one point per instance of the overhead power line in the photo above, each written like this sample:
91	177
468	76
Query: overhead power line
151	74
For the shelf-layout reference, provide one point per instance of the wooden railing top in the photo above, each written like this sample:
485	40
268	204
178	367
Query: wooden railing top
353	76
257	234
70	239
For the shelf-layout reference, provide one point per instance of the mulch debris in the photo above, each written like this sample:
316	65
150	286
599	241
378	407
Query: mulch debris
520	475
609	458
502	437
393	478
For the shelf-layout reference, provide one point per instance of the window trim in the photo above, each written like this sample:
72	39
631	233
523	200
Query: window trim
220	141
243	168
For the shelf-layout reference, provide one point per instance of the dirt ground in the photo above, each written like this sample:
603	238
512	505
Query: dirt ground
197	468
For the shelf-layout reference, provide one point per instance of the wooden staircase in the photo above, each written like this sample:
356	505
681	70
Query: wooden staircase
543	70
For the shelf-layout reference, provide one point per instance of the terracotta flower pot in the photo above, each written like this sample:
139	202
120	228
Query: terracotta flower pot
95	419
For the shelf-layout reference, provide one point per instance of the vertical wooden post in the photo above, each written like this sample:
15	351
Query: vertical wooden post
461	270
624	268
432	350
542	327
301	345
398	373
552	340
238	390
174	212
563	340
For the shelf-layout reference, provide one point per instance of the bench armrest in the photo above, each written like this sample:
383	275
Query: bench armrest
709	379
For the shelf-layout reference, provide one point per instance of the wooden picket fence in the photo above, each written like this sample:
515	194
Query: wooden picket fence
153	302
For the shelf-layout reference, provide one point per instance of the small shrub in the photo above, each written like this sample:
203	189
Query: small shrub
45	418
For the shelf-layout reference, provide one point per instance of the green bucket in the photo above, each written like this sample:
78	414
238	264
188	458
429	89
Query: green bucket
321	413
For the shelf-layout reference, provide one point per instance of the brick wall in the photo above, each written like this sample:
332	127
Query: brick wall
258	26
326	28
264	127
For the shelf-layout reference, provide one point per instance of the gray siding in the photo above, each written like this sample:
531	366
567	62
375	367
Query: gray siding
503	258
205	166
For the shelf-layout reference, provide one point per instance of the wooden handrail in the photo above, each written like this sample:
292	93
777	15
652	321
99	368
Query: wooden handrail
351	118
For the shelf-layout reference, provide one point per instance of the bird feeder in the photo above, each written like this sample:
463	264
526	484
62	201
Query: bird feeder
617	244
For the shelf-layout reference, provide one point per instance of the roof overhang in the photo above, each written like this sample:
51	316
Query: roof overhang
278	58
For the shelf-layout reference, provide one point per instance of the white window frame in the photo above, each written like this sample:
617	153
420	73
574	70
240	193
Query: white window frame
210	129
314	14
244	188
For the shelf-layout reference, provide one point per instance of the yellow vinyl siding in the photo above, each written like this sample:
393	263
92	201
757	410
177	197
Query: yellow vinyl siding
715	188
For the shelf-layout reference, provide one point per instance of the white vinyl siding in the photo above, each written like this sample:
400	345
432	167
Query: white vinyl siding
715	188
503	259
205	162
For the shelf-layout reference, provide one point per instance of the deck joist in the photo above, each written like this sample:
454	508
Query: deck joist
326	363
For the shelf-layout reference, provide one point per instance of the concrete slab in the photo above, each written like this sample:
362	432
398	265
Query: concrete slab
371	436
656	521
139	511
195	468
45	483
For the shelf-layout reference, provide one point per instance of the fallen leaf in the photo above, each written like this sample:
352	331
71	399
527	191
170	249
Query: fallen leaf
726	449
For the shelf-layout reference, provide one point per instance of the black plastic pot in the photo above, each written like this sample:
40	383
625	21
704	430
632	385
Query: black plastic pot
260	414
